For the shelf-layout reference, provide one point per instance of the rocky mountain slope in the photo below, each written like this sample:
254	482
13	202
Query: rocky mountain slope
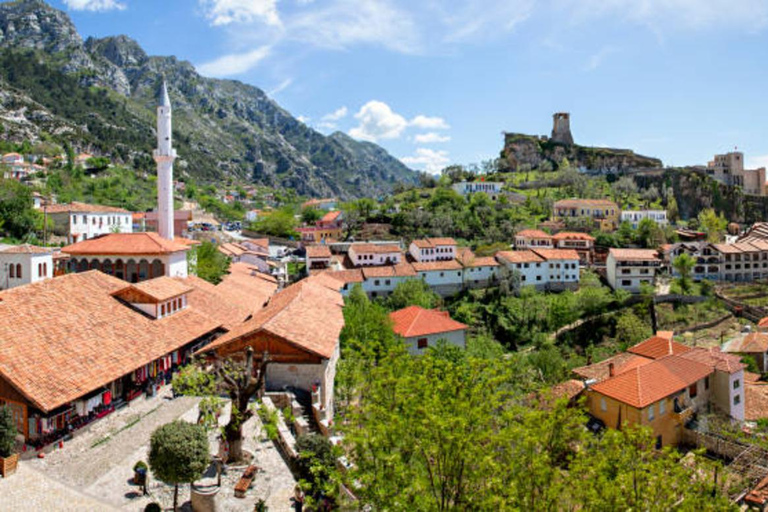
528	149
98	95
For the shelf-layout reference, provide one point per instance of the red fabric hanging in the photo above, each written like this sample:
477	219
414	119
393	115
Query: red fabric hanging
107	398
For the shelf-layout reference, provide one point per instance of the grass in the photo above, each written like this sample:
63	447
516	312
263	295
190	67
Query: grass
137	418
685	316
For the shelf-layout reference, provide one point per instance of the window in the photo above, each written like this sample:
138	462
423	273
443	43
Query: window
422	343
706	382
387	282
376	282
18	271
538	278
693	390
659	443
162	310
736	384
12	271
651	412
737	400
626	282
662	407
603	405
442	274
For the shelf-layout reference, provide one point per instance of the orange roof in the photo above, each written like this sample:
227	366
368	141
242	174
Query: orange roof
578	203
763	322
572	235
417	321
306	315
467	258
374	248
755	342
715	359
400	270
667	335
331	216
533	233
186	241
426	243
634	254
569	389
434	266
261	242
215	302
649	383
556	254
247	287
125	244
621	362
318	251
77	207
657	347
526	256
65	337
26	249
347	276
161	288
232	249
755	400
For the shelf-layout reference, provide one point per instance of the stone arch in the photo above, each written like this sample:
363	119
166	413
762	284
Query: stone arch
157	268
143	270
107	267
82	265
119	269
132	272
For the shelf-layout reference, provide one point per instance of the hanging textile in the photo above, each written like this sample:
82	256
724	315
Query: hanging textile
106	398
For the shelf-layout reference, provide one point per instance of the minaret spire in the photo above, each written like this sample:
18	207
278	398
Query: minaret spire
164	157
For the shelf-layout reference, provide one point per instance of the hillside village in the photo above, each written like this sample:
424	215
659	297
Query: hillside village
564	327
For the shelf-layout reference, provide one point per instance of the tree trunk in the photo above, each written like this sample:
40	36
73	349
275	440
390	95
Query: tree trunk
175	497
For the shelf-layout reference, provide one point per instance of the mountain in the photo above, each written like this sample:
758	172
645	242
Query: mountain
99	95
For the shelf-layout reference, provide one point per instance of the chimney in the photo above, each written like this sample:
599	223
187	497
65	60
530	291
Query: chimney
611	371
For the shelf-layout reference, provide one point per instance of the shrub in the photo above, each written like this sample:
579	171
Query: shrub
8	432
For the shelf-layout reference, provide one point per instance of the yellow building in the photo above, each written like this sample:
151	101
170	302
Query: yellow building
604	213
660	384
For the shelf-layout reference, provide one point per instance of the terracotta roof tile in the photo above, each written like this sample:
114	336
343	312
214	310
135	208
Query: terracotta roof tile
128	244
417	321
569	389
572	235
347	276
161	288
622	362
426	243
363	248
556	254
533	233
76	207
656	347
65	337
526	256
756	342
247	287
715	359
649	383
755	400
26	249
435	266
578	203
318	251
331	216
634	254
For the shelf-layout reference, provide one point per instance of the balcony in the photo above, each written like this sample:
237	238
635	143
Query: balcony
682	415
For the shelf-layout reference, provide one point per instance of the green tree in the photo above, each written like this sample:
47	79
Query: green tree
412	292
8	432
17	215
630	330
178	454
311	215
280	223
713	225
683	265
316	467
209	263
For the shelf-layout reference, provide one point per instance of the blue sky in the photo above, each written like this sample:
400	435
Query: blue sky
437	81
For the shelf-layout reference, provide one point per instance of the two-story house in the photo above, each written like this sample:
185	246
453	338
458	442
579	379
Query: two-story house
81	221
601	213
369	254
628	269
433	249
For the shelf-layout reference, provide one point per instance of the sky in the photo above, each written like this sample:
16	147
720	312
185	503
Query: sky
436	82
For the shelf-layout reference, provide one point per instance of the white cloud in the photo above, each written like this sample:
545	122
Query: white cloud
430	138
757	161
378	121
225	12
303	119
430	160
94	5
336	115
281	87
429	123
597	58
234	64
477	19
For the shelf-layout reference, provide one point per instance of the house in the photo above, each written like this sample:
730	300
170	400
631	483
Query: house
660	384
24	264
444	277
582	243
321	204
529	265
299	328
433	249
491	188
754	345
628	269
736	262
601	213
80	221
371	254
12	159
112	340
240	253
423	328
546	269
318	257
382	281
132	257
635	216
479	272
533	238
329	227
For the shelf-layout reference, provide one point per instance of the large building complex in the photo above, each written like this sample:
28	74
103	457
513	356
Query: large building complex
729	169
599	213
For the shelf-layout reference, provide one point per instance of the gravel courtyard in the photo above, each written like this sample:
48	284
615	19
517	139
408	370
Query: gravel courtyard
94	470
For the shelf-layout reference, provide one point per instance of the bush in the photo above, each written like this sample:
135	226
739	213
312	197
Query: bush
8	432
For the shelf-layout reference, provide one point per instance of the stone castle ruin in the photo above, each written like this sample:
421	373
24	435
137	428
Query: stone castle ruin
561	128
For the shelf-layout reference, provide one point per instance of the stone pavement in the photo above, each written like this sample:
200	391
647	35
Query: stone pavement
94	470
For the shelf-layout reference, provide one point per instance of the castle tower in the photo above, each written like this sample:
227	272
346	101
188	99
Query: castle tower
561	128
164	156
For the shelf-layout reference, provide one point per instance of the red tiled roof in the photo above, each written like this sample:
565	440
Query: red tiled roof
318	251
467	258
417	321
572	235
715	359
307	315
400	270
426	243
763	322
756	342
634	254
649	383
434	266
247	287
556	254
331	216
526	256
569	389
347	276
215	302
26	249
161	288
128	244
76	207
657	347
621	362
533	233
578	203
363	248
65	337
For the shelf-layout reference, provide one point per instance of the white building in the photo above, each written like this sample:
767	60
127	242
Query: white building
479	272
627	269
546	269
81	221
24	264
443	277
433	249
423	328
635	216
318	257
368	254
491	188
532	239
381	281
